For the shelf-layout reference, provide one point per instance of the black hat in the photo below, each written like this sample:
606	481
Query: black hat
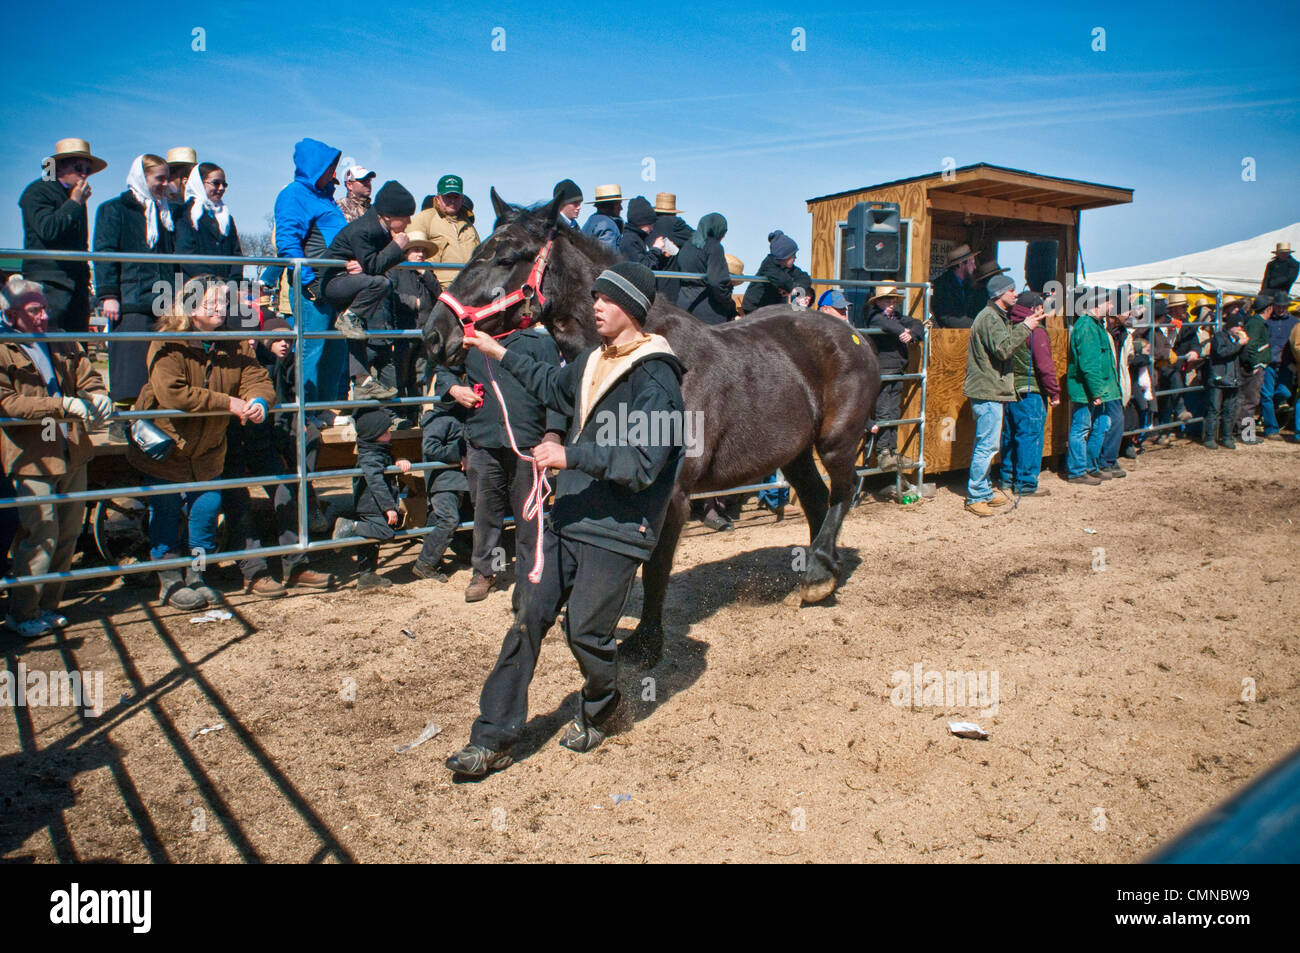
393	199
1029	299
372	424
640	212
1262	301
566	190
629	285
274	323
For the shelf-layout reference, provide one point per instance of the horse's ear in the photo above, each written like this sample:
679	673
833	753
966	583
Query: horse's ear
501	205
550	211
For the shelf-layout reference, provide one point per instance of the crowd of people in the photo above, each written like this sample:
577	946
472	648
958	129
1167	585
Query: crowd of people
1120	357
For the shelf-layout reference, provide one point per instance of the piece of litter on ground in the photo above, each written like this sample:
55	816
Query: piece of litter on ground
1091	532
967	729
430	730
213	615
203	731
408	633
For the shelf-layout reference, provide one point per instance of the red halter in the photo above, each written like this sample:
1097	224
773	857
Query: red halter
528	292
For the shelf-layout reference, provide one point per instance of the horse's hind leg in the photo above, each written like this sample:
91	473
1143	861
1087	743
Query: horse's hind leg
819	574
838	455
646	645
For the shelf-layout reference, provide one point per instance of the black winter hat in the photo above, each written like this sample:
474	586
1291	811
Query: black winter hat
393	199
372	424
781	245
1029	299
640	212
566	190
629	285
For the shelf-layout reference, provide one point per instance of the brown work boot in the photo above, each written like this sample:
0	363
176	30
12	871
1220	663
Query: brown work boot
265	586
997	500
310	579
479	587
981	508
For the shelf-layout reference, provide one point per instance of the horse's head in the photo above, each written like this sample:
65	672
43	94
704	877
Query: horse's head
502	264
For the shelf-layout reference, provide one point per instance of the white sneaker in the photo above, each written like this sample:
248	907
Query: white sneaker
56	620
28	628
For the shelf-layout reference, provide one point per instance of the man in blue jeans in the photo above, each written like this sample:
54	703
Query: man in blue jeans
990	385
1090	382
1279	375
1025	418
306	221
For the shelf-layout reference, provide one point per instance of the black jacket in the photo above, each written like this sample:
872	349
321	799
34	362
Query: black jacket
781	281
443	441
54	222
679	233
119	226
632	246
710	300
365	241
530	420
374	493
414	295
206	239
1280	274
1225	368
949	301
615	492
891	352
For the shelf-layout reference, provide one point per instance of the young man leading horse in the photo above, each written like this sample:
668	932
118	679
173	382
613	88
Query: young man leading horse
611	499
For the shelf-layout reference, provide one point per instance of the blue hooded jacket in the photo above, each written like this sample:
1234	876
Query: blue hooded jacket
306	218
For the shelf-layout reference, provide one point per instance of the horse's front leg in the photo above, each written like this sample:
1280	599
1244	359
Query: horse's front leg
645	646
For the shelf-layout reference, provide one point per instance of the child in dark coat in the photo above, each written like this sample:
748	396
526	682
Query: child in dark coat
446	491
1223	383
374	495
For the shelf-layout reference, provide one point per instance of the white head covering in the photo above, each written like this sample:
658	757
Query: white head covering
154	211
194	190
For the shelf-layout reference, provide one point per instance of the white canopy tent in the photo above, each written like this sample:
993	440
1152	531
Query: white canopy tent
1235	269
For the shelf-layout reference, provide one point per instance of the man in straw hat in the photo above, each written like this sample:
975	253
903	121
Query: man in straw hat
670	235
606	224
54	219
952	290
180	162
1281	270
1279	375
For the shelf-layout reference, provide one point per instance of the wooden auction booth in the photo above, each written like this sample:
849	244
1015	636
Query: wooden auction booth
980	206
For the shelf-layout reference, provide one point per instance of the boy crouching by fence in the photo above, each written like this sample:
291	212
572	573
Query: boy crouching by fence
373	511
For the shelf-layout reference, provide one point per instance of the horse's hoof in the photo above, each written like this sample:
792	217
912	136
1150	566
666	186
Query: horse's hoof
817	591
644	648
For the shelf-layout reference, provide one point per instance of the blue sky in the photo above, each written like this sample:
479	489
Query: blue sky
734	118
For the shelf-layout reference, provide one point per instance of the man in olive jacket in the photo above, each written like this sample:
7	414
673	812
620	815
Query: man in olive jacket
990	383
1254	364
1090	381
611	497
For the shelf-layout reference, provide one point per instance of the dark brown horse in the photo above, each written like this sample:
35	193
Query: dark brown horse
772	388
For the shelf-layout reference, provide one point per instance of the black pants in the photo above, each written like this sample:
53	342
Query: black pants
360	294
443	517
69	310
128	361
889	407
253	452
500	480
1220	413
1171	405
594	583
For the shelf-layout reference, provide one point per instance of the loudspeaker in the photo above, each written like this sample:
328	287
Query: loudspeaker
872	240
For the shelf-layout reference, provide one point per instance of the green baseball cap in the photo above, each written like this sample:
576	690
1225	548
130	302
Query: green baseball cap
451	185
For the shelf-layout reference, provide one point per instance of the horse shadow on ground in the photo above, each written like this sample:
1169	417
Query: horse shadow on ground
758	577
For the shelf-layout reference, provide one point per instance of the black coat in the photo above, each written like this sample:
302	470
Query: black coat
414	295
52	221
781	281
614	493
374	493
1280	274
206	239
530	421
443	441
949	301
711	300
891	352
367	242
1225	368
632	246
119	226
679	233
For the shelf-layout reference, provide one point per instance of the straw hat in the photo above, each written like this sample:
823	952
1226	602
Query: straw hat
735	265
666	203
988	269
958	254
607	193
885	291
182	156
1206	305
78	149
1174	300
1283	248
420	239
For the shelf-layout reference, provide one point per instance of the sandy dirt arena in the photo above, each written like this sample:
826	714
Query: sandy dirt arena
1124	660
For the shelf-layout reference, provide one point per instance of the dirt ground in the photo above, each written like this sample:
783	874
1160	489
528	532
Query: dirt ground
1122	623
